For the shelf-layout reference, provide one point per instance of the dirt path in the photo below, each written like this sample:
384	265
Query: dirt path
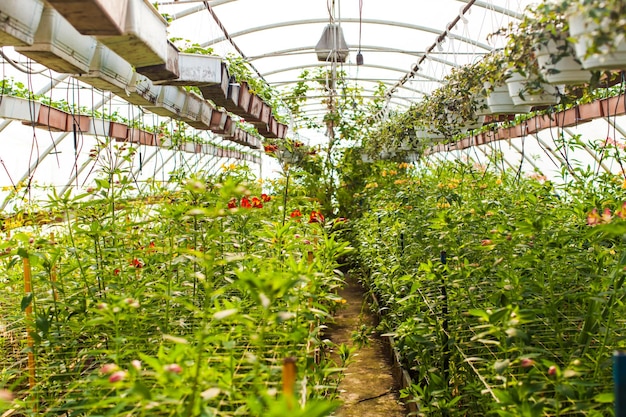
368	388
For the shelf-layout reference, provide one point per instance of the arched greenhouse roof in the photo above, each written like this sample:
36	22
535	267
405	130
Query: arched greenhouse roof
396	53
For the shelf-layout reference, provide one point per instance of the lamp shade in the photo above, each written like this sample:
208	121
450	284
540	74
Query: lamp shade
332	45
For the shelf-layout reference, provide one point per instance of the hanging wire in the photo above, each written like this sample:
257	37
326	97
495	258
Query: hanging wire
19	66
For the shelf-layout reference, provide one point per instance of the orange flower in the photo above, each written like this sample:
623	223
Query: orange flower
593	218
232	203
256	202
316	217
245	202
606	215
270	148
296	214
266	197
136	263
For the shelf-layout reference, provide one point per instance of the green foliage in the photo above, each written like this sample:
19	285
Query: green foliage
504	294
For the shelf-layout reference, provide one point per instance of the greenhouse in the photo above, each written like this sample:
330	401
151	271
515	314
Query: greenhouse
315	208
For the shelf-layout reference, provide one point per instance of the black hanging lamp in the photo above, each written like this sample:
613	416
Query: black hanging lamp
359	55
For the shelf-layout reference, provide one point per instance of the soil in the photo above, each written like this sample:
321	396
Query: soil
368	388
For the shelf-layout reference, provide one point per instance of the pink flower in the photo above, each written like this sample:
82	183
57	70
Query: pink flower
552	370
136	364
6	396
173	368
117	376
108	368
527	363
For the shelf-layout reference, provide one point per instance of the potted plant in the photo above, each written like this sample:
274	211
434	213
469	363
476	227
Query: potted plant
546	30
524	80
491	71
599	28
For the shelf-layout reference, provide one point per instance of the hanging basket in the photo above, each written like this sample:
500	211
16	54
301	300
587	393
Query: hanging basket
581	28
557	67
170	102
547	94
500	102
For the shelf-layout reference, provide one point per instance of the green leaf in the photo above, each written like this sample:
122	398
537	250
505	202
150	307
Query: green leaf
23	253
604	398
26	300
501	366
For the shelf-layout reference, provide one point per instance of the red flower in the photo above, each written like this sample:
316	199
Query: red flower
116	271
136	263
232	203
265	197
245	202
296	214
316	217
270	148
256	202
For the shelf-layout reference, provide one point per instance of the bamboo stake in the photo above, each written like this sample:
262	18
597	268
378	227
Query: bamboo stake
289	380
29	313
53	273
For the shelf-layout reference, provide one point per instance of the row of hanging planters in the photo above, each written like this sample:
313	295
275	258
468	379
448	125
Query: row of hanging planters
504	295
553	55
210	301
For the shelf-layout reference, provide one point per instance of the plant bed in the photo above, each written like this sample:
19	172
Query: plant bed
197	70
94	17
59	46
108	71
19	20
50	118
143	42
17	108
142	91
217	92
170	102
162	73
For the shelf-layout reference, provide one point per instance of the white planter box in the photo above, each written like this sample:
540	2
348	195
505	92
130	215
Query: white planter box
94	17
99	127
188	147
141	91
547	97
204	117
19	20
197	70
192	108
144	39
16	108
59	46
109	71
170	102
500	102
567	70
580	28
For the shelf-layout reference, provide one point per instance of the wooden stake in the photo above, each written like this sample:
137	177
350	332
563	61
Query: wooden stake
289	380
29	314
53	273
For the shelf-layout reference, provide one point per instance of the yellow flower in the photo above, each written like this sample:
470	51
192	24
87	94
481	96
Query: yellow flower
399	182
499	181
384	173
624	184
372	185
